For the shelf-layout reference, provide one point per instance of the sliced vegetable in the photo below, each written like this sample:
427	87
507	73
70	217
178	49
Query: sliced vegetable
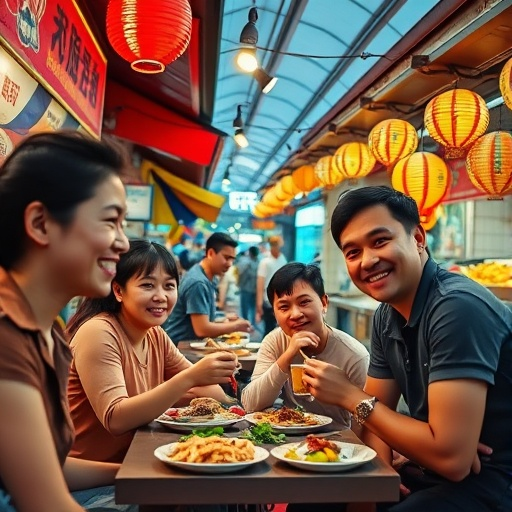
204	432
236	409
263	433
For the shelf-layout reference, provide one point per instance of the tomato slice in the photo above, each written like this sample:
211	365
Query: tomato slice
235	409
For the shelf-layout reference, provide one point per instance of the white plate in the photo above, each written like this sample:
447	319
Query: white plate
187	426
295	429
201	345
253	345
356	455
162	452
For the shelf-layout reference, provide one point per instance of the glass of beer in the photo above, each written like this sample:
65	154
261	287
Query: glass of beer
298	385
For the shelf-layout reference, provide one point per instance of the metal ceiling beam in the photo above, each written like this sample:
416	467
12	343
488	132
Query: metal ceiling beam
365	36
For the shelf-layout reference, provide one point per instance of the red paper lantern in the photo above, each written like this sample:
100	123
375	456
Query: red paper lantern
149	34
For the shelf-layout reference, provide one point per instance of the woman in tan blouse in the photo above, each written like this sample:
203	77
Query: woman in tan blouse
126	371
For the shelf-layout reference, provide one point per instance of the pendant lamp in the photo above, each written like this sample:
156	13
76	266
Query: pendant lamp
423	176
455	119
489	164
149	34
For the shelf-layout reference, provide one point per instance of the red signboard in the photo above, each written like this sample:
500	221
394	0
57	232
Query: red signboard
53	40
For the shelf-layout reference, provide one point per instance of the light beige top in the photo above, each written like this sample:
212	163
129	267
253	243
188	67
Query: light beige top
269	381
105	370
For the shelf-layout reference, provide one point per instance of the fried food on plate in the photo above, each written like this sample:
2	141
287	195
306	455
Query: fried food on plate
213	450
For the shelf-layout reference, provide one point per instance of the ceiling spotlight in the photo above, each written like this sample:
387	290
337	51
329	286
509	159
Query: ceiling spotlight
238	124
225	180
246	57
240	138
266	81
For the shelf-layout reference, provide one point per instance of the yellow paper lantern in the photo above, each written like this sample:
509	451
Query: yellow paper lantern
326	174
270	198
391	140
506	83
456	119
305	179
430	218
286	188
489	164
423	176
262	210
353	160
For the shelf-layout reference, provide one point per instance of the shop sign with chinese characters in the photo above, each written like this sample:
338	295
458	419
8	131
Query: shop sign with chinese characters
54	42
242	201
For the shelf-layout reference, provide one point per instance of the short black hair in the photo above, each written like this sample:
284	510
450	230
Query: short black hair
217	241
284	279
352	201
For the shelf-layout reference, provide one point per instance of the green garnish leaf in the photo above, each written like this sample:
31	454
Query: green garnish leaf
203	432
263	433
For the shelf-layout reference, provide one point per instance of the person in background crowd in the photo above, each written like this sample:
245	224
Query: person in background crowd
296	292
194	314
227	293
62	205
247	276
125	370
441	340
184	244
266	268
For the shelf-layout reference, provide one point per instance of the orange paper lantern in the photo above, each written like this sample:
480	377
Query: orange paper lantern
305	179
286	188
423	176
506	83
353	160
326	174
392	140
149	34
456	119
489	164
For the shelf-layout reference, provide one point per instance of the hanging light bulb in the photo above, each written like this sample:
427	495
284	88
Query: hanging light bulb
246	57
238	125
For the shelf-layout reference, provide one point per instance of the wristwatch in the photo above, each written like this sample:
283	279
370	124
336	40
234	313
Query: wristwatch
363	409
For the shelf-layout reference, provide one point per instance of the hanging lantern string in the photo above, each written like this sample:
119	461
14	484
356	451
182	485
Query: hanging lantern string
362	55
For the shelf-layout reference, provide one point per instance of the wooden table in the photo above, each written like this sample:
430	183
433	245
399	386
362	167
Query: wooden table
145	480
194	355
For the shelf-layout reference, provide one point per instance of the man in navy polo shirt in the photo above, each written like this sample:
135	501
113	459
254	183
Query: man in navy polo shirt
442	341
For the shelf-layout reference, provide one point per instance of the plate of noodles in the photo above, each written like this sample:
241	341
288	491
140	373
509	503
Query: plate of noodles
212	454
201	413
220	343
289	421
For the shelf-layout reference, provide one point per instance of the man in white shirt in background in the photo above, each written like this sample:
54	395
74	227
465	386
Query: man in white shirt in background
266	269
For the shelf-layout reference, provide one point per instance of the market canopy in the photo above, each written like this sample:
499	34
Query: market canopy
177	201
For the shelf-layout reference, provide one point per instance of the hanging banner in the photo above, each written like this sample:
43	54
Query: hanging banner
53	40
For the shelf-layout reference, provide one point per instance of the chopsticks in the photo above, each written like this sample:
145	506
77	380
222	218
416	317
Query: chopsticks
303	355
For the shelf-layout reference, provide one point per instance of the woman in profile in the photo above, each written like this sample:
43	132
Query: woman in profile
126	371
62	205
